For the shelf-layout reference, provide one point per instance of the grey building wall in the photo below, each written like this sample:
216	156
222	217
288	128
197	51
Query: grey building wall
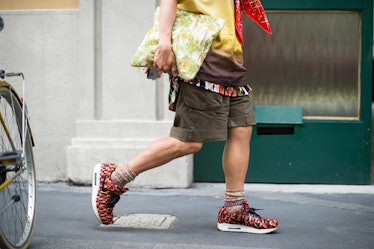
86	103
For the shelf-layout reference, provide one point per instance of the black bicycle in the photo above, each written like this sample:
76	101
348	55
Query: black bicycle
17	169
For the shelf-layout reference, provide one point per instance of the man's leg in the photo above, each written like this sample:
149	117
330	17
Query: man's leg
110	179
156	154
235	161
235	156
160	152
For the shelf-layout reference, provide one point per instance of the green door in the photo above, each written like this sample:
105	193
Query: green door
316	69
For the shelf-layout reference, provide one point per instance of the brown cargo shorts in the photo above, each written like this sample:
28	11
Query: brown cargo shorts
203	116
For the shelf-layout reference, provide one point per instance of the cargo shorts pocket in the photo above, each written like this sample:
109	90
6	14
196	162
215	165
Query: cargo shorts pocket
200	99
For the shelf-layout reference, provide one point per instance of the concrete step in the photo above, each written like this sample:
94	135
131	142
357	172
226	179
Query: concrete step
122	129
118	141
111	142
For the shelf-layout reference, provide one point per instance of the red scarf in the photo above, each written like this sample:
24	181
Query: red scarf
255	11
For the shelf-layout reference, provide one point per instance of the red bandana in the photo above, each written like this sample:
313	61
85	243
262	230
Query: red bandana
255	11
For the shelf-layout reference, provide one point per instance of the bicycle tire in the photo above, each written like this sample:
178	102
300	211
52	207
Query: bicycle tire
17	219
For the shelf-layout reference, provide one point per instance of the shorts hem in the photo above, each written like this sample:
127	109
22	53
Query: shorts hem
202	136
242	121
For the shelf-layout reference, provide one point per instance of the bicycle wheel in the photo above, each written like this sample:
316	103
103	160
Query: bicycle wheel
18	198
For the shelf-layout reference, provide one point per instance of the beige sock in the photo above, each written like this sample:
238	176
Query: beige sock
122	175
234	199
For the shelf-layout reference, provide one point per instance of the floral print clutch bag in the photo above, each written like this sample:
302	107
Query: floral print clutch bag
192	36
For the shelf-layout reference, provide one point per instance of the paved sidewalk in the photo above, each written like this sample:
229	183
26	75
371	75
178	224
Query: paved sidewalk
311	216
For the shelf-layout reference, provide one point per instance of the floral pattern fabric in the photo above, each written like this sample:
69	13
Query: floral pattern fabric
192	36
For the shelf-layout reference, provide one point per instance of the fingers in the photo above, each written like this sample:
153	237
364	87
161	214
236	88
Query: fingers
174	70
164	61
169	68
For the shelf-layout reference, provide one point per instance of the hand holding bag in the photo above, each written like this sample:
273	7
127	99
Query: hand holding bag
192	36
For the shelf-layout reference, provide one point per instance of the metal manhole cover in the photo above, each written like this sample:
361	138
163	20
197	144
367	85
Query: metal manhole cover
144	221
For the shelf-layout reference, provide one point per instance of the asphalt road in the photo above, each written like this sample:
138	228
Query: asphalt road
307	220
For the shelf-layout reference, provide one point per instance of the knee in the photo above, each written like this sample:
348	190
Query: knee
240	132
195	147
186	148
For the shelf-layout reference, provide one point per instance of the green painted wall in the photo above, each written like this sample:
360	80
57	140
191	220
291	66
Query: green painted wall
316	151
